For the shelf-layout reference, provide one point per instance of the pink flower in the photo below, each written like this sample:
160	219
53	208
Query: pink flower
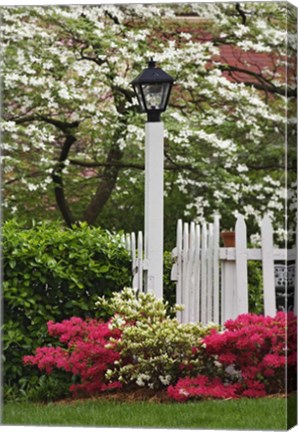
274	360
85	354
227	358
201	387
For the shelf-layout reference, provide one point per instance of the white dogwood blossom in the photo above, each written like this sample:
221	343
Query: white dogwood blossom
225	128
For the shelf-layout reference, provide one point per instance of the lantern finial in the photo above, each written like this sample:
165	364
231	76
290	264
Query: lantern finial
151	63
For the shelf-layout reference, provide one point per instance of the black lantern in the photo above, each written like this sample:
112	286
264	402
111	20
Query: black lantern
152	88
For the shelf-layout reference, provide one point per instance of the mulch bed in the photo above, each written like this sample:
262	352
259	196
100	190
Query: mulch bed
140	395
132	395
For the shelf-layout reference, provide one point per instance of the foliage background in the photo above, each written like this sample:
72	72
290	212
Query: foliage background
73	137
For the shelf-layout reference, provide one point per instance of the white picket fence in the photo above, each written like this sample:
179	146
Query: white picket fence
212	281
196	271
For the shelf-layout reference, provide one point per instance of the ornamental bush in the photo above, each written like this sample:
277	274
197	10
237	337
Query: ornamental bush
86	355
155	349
250	358
52	273
141	345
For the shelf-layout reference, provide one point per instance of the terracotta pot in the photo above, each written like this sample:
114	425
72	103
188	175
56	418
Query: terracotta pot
228	238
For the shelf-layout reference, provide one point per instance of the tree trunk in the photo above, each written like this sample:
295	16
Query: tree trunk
58	182
105	187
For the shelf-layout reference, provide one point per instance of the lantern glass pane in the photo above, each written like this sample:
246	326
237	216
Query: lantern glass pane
140	97
166	90
155	95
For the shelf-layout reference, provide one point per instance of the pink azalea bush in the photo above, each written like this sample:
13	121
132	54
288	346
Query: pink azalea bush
88	353
249	359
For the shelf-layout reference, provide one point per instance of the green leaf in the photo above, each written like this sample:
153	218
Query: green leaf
104	269
12	263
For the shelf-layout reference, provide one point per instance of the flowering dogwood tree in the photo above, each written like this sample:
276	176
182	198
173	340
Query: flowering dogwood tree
73	139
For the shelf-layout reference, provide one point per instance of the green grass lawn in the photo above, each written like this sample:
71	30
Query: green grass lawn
266	413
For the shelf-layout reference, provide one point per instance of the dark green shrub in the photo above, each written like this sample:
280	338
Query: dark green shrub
49	388
255	287
51	273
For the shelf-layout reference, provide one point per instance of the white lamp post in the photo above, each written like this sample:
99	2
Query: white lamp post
152	88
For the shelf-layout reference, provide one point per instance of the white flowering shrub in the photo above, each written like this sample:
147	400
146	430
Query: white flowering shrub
155	349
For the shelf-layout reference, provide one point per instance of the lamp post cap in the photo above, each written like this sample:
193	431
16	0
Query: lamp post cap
151	63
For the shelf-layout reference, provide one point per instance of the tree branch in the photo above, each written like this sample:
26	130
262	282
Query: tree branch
63	126
264	85
241	13
130	165
93	59
120	165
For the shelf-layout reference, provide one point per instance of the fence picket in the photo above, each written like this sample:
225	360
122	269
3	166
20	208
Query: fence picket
268	266
179	267
197	281
140	261
185	270
128	242
190	306
216	317
241	266
209	263
132	245
204	276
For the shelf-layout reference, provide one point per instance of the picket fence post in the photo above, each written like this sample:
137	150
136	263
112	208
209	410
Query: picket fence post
228	288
